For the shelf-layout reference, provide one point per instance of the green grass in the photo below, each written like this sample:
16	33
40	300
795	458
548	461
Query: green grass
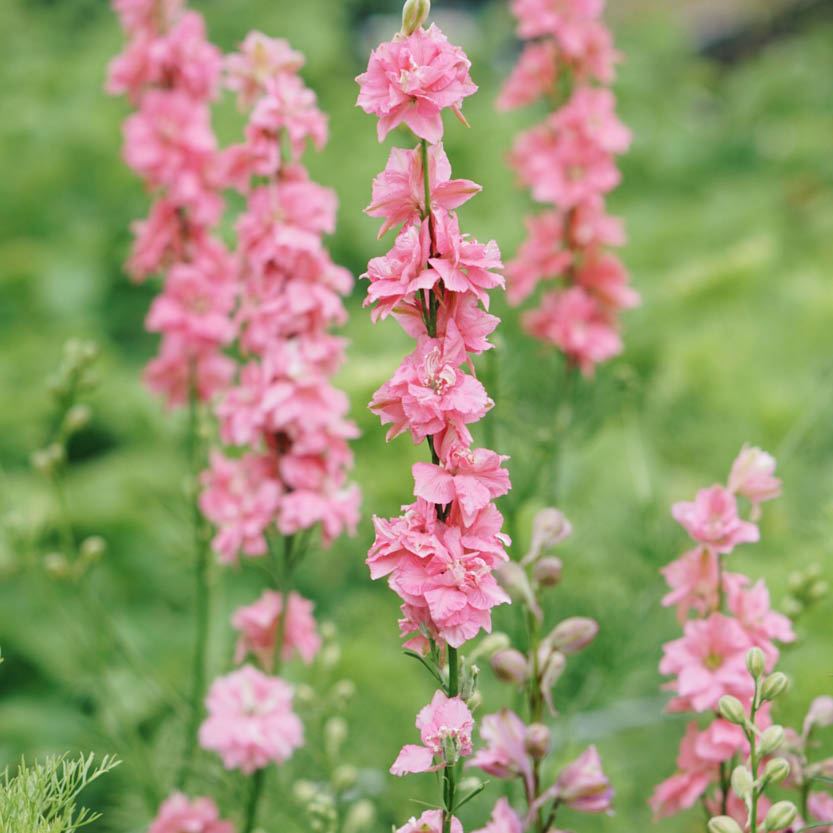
728	198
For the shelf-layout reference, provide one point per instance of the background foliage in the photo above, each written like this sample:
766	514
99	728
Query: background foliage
728	197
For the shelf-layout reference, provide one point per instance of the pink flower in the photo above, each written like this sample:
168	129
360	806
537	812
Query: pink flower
412	79
693	579
240	497
581	785
753	476
179	815
159	240
472	477
820	807
258	622
147	16
708	661
170	373
712	519
534	75
399	191
250	720
504	820
431	821
541	255
505	755
445	726
260	59
752	608
551	17
428	391
736	807
604	276
573	321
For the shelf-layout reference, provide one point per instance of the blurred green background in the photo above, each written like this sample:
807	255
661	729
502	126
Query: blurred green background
728	199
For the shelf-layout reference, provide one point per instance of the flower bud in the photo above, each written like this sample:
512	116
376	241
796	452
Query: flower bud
742	781
756	662
330	655
553	669
77	417
731	709
328	631
343	692
451	749
93	548
820	714
360	817
490	645
514	580
510	666
774	686
724	824
470	785
549	528
414	14
335	733
474	701
573	634
468	682
771	740
304	694
782	814
56	565
776	770
537	741
792	607
547	571
303	791
345	777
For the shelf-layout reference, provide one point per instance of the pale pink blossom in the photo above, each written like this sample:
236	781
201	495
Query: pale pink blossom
533	76
753	476
445	722
603	275
428	391
708	662
572	320
431	821
179	815
147	16
736	807
541	255
820	808
159	240
505	754
581	785
412	79
260	59
250	720
694	582
550	17
257	625
712	520
240	497
399	191
504	819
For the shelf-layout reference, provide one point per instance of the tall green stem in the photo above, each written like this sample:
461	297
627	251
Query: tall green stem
753	759
450	771
200	583
254	798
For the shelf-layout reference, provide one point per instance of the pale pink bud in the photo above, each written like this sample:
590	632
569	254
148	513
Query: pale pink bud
583	785
553	668
515	582
510	666
537	740
753	475
549	528
573	634
547	571
820	714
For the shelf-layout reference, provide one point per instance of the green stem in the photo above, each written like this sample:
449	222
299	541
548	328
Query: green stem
449	773
453	672
198	671
753	760
283	582
254	800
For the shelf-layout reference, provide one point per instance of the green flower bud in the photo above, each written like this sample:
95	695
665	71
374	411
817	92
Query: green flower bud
451	749
490	645
335	733
756	662
303	791
731	709
724	824
774	686
93	548
742	781
360	817
771	740
468	683
345	777
77	417
56	565
792	607
414	14
782	814
776	770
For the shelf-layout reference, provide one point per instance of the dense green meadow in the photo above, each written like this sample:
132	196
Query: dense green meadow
728	200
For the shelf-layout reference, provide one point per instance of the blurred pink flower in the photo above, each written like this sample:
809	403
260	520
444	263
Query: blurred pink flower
260	59
504	819
693	579
533	76
431	821
250	720
179	815
753	476
820	808
712	519
505	754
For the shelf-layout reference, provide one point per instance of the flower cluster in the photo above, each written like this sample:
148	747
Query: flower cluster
568	161
723	615
515	750
170	73
282	407
178	814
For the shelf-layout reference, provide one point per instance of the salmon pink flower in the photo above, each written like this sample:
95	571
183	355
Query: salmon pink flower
399	191
541	255
583	786
140	17
712	520
431	821
260	59
504	819
250	720
550	17
753	476
257	625
445	726
694	582
533	76
708	662
505	754
179	815
412	79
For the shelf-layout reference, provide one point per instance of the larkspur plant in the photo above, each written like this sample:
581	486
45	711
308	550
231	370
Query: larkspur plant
568	161
248	333
440	554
